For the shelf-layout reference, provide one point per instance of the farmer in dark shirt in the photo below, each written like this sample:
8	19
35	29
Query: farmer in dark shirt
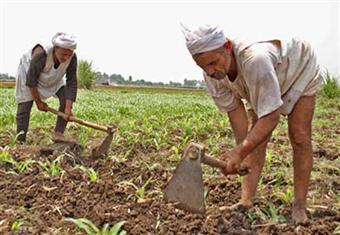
40	76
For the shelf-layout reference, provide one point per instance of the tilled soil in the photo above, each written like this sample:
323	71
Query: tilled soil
42	201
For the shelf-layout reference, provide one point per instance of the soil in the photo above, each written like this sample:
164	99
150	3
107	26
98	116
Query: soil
42	201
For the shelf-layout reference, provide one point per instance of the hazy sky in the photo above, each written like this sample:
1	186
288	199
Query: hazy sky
144	39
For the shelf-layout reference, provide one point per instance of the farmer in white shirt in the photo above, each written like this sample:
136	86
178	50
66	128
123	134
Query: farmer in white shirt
41	75
272	77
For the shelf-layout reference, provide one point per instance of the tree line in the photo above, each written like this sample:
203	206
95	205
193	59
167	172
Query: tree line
87	77
5	76
117	79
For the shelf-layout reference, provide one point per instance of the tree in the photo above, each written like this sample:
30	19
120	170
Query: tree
85	73
190	83
5	76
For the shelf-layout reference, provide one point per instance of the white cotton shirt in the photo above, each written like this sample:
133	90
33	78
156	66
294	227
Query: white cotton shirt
49	82
271	75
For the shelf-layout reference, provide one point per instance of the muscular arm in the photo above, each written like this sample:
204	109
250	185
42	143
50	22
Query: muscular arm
239	123
252	142
260	132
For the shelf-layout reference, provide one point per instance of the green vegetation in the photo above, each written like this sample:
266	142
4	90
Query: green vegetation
85	73
92	229
16	225
331	89
52	168
117	79
139	191
145	117
90	172
5	76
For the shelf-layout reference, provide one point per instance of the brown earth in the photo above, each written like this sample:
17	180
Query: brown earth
43	201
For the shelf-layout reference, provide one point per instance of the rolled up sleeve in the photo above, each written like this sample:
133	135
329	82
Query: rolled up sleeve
223	97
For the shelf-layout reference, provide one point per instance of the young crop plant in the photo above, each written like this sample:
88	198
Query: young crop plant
16	225
287	196
5	156
139	191
270	213
91	229
23	166
90	172
52	168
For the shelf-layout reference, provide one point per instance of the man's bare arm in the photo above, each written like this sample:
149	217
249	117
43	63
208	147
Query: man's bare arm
239	123
42	106
260	132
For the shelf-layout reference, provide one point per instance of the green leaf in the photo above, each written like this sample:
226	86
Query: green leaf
115	229
85	224
105	229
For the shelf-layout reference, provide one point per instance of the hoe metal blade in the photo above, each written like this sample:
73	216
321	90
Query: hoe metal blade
103	148
185	188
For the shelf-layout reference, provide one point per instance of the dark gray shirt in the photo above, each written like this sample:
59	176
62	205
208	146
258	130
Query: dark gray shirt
37	65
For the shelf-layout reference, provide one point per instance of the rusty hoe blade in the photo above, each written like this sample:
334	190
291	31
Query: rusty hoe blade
185	189
104	147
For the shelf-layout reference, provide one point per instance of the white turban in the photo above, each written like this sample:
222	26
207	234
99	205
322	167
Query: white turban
64	40
204	38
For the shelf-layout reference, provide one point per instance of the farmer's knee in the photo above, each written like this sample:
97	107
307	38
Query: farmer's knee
300	138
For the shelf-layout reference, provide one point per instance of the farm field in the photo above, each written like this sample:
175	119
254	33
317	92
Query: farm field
39	189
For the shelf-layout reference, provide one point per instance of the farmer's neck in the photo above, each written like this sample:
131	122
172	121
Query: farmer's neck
232	72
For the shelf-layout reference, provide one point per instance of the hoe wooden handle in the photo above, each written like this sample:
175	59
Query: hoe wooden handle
80	121
214	162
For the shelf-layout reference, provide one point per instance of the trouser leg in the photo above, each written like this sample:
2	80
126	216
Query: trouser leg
23	118
61	123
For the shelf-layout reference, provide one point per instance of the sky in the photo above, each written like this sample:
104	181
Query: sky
144	39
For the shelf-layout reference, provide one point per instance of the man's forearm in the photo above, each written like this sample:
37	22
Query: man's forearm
42	106
68	106
239	123
35	94
262	129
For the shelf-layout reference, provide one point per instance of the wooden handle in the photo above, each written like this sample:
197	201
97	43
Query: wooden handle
214	162
80	121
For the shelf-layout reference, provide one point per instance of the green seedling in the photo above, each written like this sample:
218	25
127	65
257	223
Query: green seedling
90	172
91	229
336	230
16	225
23	166
139	191
287	196
269	214
5	156
52	168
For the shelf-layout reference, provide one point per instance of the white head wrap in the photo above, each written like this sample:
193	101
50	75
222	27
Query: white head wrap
204	38
64	40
